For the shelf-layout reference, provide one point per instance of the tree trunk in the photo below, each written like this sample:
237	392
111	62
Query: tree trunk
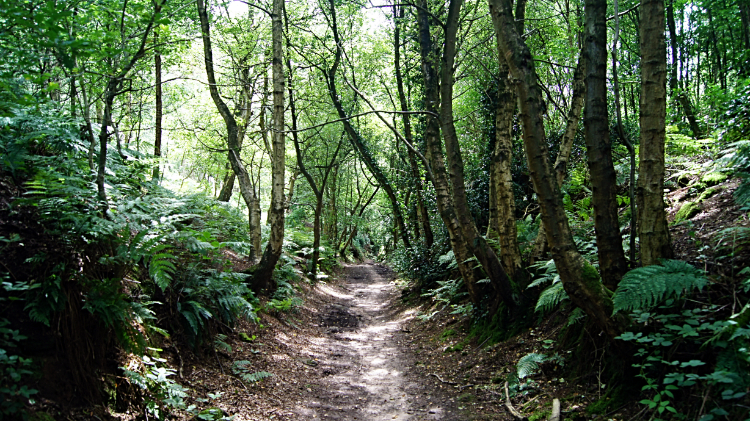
675	91
228	186
422	214
745	19
652	220
158	111
233	141
624	138
566	145
356	138
262	276
599	146
502	209
110	92
580	279
449	182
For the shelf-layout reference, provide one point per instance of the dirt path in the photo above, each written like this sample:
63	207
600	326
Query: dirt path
369	372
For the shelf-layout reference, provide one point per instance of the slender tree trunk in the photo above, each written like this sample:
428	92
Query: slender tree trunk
580	279
675	91
290	190
228	186
110	92
86	107
502	223
745	19
624	138
502	209
73	96
356	138
566	145
158	111
477	243
246	187
466	241
433	149
652	227
262	277
422	214
599	146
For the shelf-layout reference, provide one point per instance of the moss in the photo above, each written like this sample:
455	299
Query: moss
589	274
714	178
698	187
247	338
211	414
466	397
708	193
455	348
540	415
447	333
687	211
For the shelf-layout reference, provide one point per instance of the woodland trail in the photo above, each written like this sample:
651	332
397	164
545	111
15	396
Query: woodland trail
370	371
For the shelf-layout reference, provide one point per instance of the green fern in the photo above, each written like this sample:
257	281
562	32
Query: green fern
551	297
576	316
643	288
257	376
529	364
449	260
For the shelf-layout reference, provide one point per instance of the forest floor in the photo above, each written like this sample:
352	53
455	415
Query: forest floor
358	346
342	355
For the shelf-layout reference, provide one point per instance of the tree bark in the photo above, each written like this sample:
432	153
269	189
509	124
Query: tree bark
158	111
624	138
466	241
502	209
580	279
227	187
745	19
652	227
110	92
612	261
262	276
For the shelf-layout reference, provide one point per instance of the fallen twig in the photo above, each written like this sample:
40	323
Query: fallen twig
510	407
465	386
444	381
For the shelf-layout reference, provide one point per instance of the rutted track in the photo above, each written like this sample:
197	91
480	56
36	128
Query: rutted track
369	373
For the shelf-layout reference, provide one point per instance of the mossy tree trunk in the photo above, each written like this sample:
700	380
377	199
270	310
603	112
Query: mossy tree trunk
466	241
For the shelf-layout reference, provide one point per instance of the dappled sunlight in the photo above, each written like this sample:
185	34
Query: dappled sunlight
332	292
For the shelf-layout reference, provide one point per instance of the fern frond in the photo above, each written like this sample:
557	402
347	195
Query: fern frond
529	364
575	316
257	376
643	288
551	297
